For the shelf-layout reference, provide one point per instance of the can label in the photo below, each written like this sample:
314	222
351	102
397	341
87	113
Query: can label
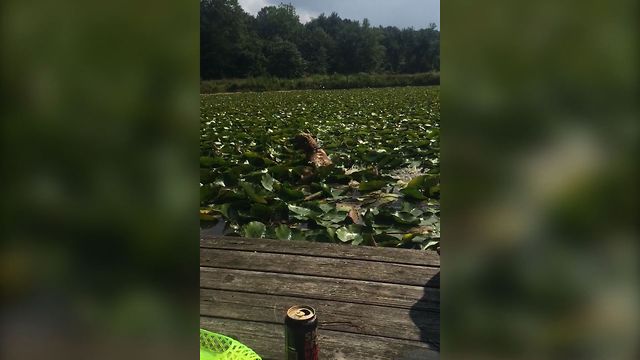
311	345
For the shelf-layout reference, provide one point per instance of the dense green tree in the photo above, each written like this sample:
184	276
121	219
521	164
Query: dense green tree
236	44
228	48
370	51
315	46
284	59
279	21
394	51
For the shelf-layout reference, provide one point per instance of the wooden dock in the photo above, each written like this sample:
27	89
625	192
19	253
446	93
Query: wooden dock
372	303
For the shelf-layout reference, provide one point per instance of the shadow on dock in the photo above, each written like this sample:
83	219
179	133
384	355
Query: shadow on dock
427	320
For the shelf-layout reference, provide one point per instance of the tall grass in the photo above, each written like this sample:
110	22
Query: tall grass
319	82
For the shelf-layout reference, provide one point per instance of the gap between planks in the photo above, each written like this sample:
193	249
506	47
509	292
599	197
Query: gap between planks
346	290
378	254
326	267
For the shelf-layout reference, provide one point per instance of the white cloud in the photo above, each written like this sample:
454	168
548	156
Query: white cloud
305	15
254	6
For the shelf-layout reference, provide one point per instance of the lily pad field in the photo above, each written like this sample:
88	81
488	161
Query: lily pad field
383	188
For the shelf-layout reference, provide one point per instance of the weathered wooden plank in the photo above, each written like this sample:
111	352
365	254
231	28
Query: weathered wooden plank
321	266
333	315
400	256
313	287
267	340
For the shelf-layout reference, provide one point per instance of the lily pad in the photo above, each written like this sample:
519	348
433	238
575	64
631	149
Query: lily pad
211	162
413	193
288	193
326	207
251	172
405	217
346	235
267	182
260	211
283	232
431	245
300	212
254	229
252	193
372	185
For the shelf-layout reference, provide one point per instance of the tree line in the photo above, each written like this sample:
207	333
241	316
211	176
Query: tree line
234	44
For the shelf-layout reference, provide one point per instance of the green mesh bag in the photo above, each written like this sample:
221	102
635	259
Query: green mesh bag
219	347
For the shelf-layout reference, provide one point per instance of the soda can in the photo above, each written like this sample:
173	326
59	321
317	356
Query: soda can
301	333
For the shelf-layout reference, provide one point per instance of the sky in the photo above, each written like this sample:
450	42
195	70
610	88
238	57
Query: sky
400	13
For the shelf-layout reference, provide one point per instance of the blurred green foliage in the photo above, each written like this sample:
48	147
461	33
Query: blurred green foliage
540	139
99	141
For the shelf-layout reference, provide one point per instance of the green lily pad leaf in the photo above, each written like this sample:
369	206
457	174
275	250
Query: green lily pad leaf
326	189
326	207
428	221
208	176
232	176
283	232
416	182
211	162
290	194
336	193
222	209
335	216
369	216
254	177
405	218
416	212
407	207
385	198
396	163
324	171
251	193
423	182
323	223
434	191
267	182
298	235
346	235
254	229
372	185
419	239
317	235
208	192
433	244
280	211
413	193
254	158
386	239
228	196
331	232
280	172
358	240
302	212
260	211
